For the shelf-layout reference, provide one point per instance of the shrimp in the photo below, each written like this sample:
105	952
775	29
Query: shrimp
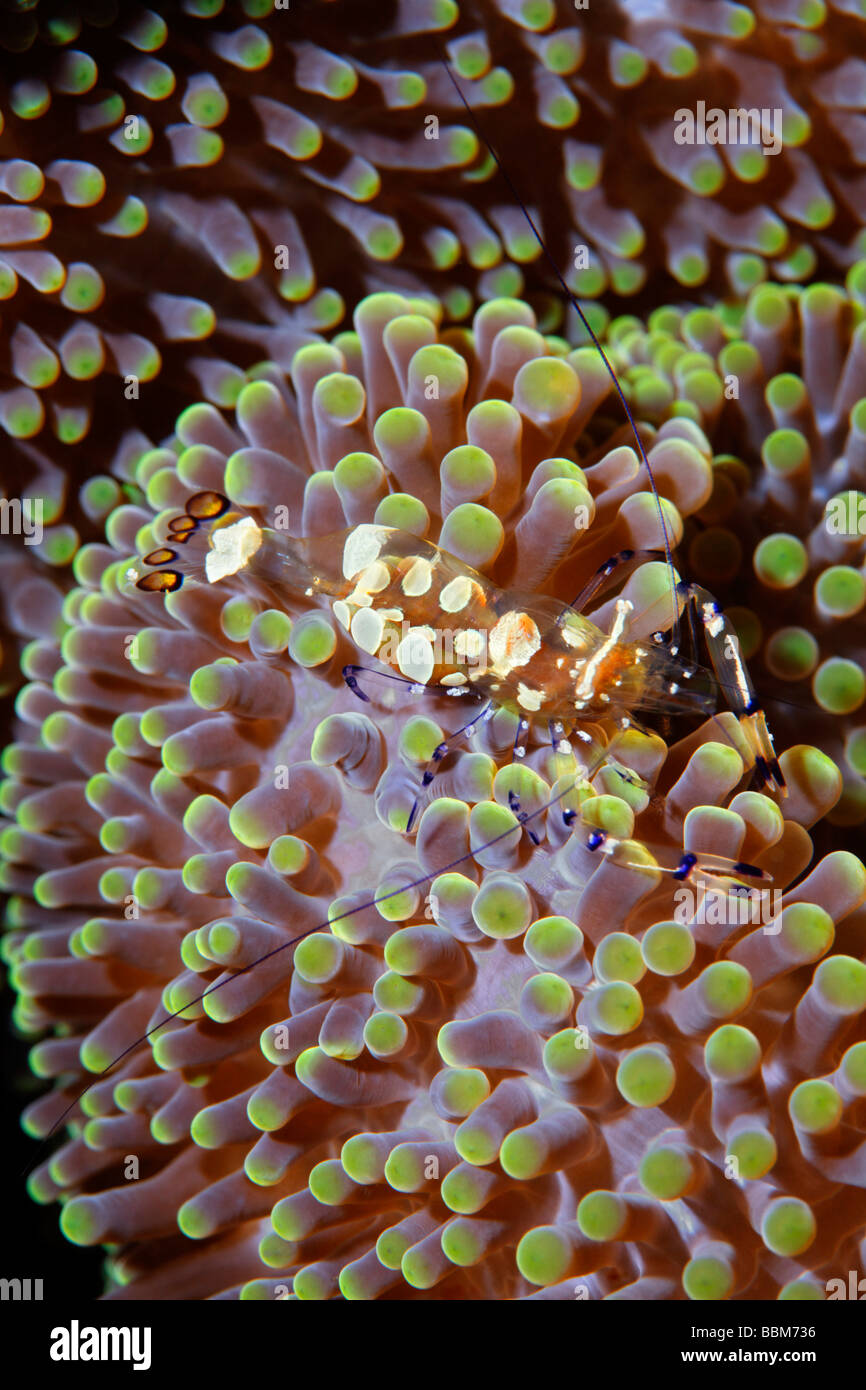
536	656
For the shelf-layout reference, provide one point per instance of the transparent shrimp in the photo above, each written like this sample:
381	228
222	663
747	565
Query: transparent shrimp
442	626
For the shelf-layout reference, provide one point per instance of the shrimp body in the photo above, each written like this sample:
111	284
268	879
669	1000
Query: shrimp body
437	622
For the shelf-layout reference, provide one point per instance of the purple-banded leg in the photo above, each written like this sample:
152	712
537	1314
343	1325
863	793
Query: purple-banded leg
626	774
352	672
689	668
569	816
441	751
558	736
606	572
520	737
563	751
731	672
519	751
602	842
705	865
350	676
522	816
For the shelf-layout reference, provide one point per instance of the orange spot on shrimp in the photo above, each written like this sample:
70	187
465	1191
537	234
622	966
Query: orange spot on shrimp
160	582
205	506
160	556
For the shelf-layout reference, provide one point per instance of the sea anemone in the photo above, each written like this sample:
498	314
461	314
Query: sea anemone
490	1068
183	195
183	200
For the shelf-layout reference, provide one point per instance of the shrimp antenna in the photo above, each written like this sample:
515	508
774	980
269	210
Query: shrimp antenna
473	117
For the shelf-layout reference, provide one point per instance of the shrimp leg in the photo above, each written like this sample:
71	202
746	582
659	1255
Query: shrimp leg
350	676
704	865
733	677
608	569
519	751
442	749
621	852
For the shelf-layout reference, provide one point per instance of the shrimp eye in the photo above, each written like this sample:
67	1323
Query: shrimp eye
206	506
160	582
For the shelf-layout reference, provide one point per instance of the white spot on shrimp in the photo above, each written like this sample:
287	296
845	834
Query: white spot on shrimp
469	643
528	698
367	628
362	548
514	641
418	578
232	548
375	578
571	635
371	580
415	654
456	594
713	621
342	612
454	678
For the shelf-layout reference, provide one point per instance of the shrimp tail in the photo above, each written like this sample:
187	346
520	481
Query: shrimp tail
211	540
